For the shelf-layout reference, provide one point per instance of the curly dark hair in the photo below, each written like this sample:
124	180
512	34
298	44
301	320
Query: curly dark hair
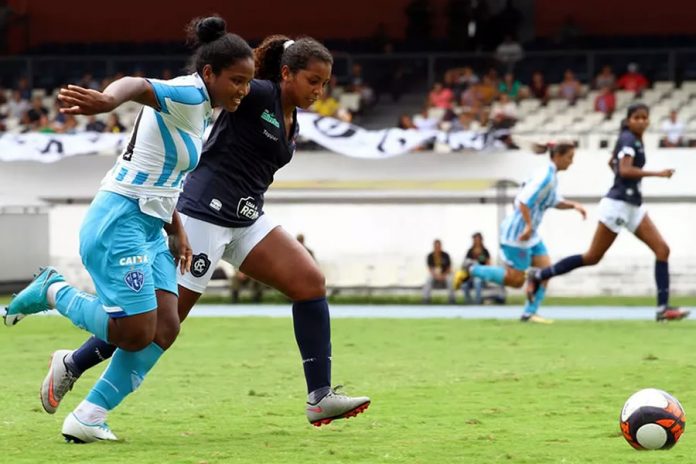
214	45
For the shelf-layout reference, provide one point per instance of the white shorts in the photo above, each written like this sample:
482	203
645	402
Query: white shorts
211	242
616	214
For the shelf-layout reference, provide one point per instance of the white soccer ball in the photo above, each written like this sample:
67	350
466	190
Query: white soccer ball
652	419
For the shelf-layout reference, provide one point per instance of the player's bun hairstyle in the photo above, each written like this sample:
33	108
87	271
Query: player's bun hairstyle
277	51
553	148
632	108
214	45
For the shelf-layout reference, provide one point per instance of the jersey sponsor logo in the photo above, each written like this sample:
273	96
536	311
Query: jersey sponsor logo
134	280
200	265
270	136
270	118
132	260
247	208
216	204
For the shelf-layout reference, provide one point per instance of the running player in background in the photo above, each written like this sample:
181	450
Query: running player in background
520	242
623	207
121	240
222	211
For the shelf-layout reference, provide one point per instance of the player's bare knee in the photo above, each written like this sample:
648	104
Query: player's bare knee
514	278
167	332
592	258
662	252
311	284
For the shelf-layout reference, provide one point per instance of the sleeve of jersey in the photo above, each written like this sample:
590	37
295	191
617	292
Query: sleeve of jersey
530	192
626	144
176	101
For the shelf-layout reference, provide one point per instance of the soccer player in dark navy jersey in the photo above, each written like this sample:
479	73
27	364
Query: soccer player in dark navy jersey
623	207
221	209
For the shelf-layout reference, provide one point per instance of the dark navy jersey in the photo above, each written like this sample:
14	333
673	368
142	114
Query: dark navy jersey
239	159
627	190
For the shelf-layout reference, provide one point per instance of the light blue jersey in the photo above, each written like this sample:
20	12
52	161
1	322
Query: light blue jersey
539	193
164	145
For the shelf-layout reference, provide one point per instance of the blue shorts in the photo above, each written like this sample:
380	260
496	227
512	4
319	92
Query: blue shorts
521	258
126	254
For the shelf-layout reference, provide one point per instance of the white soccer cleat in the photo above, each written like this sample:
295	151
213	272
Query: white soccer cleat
57	382
335	406
79	432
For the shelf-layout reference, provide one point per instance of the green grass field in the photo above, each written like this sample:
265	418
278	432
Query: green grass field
444	391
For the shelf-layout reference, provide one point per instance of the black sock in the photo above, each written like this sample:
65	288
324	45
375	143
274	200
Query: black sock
91	353
662	282
562	267
313	334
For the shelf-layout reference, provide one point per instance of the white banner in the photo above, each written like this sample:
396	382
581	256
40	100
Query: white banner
332	134
351	140
48	148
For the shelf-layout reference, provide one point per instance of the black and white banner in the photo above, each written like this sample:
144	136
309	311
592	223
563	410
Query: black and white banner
48	148
332	134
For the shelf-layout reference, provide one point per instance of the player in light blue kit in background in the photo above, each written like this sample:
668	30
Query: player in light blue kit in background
520	242
122	243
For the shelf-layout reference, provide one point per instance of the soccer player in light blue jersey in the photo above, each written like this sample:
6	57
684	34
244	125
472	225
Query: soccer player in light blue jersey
122	239
520	243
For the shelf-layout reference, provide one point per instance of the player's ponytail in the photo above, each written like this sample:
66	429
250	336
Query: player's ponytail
553	148
214	45
277	51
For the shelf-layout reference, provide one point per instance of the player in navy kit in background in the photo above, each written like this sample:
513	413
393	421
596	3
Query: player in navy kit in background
623	207
221	209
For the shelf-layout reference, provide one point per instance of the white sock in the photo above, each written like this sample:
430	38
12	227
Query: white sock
90	413
52	292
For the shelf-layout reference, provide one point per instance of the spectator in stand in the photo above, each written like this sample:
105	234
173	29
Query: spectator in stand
605	102
605	78
406	122
440	97
672	132
241	281
424	121
301	239
359	86
462	78
504	111
17	107
509	52
539	89
439	273
570	88
65	125
466	122
94	124
510	86
478	254
89	82
633	80
326	106
32	118
113	124
24	88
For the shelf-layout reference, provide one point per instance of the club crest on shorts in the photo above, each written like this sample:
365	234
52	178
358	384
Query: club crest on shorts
134	280
200	265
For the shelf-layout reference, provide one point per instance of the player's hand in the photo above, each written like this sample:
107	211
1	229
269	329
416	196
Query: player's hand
668	173
79	100
580	209
181	250
526	234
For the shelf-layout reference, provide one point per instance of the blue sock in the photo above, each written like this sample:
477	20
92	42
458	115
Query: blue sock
489	273
91	353
662	281
561	267
125	373
313	334
532	308
84	310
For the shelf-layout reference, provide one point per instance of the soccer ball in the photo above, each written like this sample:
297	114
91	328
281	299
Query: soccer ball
652	419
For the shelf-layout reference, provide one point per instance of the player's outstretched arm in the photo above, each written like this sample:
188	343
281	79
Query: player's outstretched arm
566	204
86	101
